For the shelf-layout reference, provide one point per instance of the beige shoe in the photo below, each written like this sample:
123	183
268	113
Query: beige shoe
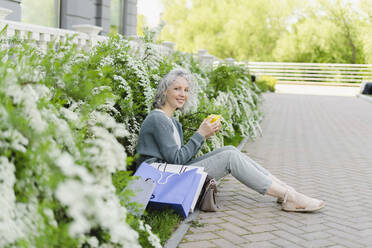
301	203
274	178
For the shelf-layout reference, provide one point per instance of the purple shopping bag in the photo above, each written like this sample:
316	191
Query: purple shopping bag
172	189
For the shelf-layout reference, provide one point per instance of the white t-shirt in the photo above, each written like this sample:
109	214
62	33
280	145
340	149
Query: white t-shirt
176	135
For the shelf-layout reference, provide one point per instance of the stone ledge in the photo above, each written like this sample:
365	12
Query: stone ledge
364	97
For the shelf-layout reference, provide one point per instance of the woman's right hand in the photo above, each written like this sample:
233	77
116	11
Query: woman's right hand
207	129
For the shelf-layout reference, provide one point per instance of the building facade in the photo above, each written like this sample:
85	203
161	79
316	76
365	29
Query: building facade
117	16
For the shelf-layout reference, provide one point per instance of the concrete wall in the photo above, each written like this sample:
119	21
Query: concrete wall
130	18
94	12
102	15
76	12
15	6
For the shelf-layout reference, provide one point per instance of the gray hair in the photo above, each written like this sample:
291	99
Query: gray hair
167	81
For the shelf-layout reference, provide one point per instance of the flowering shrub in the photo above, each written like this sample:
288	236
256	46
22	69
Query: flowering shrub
59	148
266	83
68	121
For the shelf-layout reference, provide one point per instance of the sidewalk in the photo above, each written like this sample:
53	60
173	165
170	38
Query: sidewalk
321	145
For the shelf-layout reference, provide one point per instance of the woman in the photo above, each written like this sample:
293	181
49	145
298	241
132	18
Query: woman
161	140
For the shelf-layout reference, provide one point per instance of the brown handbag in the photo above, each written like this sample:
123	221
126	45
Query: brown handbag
208	201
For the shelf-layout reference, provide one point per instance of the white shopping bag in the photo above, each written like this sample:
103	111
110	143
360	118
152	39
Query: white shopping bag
177	168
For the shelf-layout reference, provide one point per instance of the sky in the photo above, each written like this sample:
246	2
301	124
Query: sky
151	9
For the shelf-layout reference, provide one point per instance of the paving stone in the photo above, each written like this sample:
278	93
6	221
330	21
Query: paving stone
206	215
289	236
198	244
347	243
263	244
366	232
262	228
259	237
229	236
287	228
236	221
211	221
318	243
223	243
200	236
313	228
233	228
284	243
342	234
205	228
315	235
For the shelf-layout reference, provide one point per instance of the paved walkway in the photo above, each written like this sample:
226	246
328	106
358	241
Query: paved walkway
321	145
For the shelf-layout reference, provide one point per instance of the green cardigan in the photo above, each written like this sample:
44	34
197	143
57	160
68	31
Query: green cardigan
156	141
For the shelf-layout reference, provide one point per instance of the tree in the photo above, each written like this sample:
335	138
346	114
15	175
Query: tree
227	28
327	32
316	40
344	16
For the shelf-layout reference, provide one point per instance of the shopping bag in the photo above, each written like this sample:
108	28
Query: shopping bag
142	189
175	190
177	168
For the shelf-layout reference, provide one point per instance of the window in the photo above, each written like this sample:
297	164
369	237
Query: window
41	12
116	16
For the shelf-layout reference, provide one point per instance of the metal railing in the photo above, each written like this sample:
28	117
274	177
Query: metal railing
313	73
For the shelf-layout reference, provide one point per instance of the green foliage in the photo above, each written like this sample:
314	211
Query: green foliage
318	40
234	141
320	31
266	83
239	29
225	78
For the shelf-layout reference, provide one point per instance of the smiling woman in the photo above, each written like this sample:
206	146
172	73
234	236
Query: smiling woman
161	140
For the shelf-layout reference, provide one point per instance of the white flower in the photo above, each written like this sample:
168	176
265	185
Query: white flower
91	205
13	139
153	239
69	168
14	218
97	90
27	97
69	115
106	152
93	242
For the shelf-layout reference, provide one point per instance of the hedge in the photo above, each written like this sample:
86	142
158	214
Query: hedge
69	121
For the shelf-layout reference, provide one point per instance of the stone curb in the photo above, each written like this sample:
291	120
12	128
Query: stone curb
177	236
366	98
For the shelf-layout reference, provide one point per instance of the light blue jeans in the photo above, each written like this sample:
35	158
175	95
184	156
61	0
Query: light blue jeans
228	159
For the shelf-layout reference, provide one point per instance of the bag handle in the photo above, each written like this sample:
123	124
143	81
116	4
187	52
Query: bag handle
182	170
166	179
161	174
